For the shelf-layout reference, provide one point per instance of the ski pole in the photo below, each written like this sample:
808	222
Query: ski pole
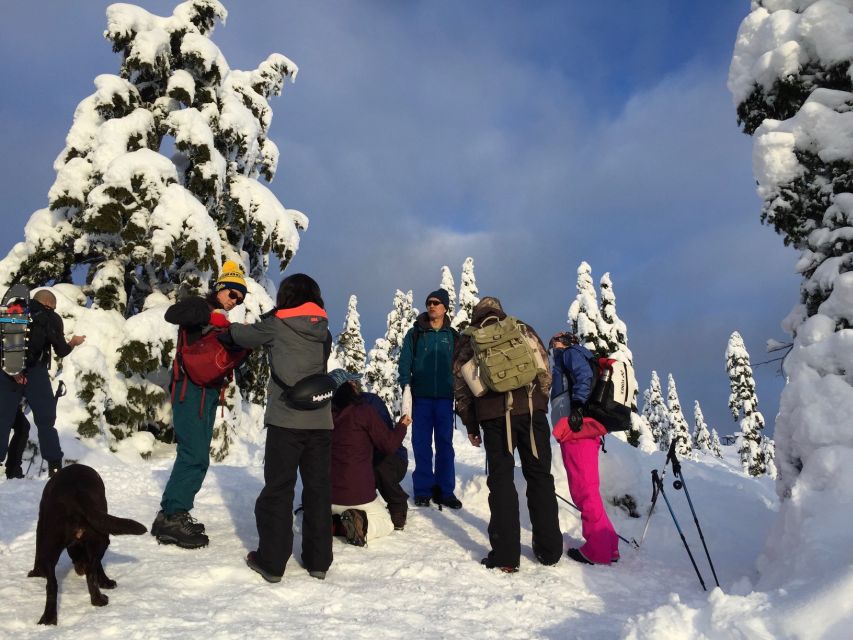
659	482
632	541
681	483
655	492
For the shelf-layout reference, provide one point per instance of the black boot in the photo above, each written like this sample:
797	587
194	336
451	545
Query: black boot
355	524
192	524
16	473
180	529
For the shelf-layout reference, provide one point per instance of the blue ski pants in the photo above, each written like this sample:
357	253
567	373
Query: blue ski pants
432	420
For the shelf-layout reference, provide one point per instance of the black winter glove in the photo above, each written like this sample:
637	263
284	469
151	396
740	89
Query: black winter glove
576	418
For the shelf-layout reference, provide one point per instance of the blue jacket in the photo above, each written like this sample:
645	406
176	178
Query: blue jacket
372	400
427	366
571	379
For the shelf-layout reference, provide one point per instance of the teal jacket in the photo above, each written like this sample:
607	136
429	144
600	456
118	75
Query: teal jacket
425	362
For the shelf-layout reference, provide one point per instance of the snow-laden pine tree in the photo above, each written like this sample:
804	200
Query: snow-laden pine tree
584	316
768	450
468	295
128	229
678	430
448	285
655	413
744	401
701	435
716	447
349	345
381	372
791	77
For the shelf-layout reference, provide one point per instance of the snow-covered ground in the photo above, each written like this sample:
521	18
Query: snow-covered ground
425	581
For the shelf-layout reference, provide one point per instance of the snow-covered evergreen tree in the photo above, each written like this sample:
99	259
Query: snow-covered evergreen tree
743	400
655	412
768	450
615	331
349	346
468	295
716	447
448	285
701	435
381	372
139	228
678	431
585	317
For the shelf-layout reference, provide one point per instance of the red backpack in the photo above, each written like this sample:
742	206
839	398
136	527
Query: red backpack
206	362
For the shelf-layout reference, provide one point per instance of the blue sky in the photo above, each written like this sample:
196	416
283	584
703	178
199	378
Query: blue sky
529	136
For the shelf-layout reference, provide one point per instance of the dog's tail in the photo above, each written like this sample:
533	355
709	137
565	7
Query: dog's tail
105	523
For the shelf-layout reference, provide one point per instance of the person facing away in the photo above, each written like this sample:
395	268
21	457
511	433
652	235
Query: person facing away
501	436
46	332
389	469
425	367
359	432
17	446
296	338
194	411
579	437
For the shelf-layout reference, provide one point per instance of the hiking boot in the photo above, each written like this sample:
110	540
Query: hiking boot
577	556
422	501
398	516
355	523
192	524
451	502
252	562
489	563
14	474
180	529
53	466
320	575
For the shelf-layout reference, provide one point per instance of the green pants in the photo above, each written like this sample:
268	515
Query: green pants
192	419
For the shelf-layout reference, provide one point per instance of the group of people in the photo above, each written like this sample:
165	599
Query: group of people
347	449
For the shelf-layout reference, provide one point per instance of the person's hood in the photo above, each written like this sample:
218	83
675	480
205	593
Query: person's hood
485	308
309	320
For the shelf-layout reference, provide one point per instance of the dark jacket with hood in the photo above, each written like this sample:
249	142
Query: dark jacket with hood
191	313
426	357
473	410
297	342
358	430
571	375
46	331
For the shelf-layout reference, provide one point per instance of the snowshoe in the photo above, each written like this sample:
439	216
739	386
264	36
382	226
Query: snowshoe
14	329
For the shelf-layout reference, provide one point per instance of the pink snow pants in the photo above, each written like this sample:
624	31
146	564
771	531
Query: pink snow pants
581	460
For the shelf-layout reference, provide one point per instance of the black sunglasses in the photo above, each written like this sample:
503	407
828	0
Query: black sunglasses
433	303
235	296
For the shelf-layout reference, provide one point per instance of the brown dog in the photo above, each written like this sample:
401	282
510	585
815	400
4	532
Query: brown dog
73	516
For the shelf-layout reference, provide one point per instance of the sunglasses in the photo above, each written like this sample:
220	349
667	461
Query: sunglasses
433	303
235	296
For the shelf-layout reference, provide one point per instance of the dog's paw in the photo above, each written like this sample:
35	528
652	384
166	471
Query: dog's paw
100	600
36	573
106	583
48	618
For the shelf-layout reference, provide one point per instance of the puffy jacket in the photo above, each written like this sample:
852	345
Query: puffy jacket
473	411
426	366
373	400
46	331
297	342
571	374
358	430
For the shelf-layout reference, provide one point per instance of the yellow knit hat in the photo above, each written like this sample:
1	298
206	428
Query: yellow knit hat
231	277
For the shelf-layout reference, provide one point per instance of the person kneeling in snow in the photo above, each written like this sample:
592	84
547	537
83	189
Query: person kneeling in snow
579	438
358	430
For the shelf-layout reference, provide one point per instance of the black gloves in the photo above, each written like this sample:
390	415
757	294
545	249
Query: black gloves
576	418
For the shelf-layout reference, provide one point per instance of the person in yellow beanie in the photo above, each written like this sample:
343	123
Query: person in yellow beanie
194	410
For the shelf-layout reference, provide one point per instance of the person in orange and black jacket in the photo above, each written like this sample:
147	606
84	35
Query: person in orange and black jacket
488	412
297	341
194	412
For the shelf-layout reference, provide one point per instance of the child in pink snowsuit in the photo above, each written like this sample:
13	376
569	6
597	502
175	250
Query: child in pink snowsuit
571	388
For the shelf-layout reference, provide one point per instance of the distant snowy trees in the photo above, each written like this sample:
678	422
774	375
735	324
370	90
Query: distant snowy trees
349	345
744	401
790	76
701	435
381	372
656	413
127	229
448	285
468	295
678	429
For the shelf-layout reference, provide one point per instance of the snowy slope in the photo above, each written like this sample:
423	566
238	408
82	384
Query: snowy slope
423	582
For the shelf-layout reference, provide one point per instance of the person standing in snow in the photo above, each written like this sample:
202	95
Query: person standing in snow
46	333
530	435
297	341
359	431
425	372
194	412
579	438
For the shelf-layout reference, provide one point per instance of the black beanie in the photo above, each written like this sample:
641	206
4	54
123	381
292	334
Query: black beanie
440	294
